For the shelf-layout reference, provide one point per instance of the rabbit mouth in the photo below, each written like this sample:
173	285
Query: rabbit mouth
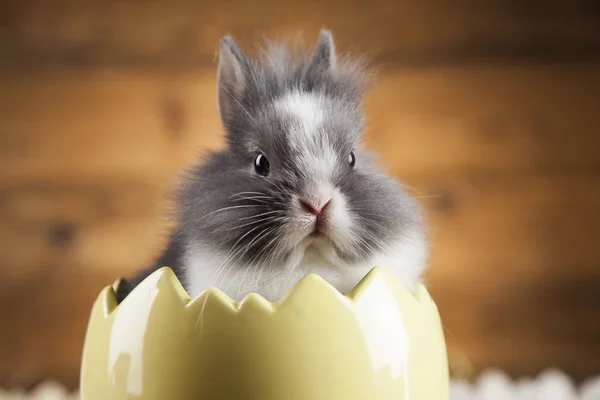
323	244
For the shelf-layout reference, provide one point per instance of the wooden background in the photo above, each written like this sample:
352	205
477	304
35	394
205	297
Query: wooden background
489	109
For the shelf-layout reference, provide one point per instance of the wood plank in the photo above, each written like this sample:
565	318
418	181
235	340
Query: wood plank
515	268
43	326
523	224
77	204
102	124
486	118
35	32
524	326
65	125
89	227
119	246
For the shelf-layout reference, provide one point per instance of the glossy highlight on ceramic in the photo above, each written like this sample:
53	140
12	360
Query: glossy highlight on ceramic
378	342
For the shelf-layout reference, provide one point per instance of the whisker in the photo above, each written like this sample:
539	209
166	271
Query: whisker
235	250
249	262
260	236
361	212
259	200
233	128
255	222
409	187
230	208
380	244
243	193
369	247
251	197
261	214
276	185
241	106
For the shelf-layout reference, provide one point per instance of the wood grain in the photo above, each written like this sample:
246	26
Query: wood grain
486	118
74	227
420	120
122	124
525	325
184	33
43	326
512	226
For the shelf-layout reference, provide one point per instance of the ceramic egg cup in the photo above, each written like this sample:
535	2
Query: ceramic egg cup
378	342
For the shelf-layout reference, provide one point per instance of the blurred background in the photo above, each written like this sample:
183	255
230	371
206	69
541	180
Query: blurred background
490	110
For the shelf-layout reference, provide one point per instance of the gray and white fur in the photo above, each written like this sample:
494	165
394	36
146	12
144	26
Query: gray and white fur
293	192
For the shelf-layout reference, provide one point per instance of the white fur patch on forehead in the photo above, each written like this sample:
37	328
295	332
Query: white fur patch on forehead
306	108
317	158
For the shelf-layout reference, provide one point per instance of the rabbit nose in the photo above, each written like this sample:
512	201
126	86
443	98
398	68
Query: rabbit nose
312	207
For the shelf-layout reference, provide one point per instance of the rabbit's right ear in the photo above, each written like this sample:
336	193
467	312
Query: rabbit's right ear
231	78
324	56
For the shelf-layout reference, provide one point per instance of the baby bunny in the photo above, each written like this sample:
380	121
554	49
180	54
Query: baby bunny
293	192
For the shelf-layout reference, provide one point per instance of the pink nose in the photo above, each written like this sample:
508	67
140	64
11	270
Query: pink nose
313	208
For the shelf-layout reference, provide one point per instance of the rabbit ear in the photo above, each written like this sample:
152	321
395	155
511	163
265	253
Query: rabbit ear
231	78
324	56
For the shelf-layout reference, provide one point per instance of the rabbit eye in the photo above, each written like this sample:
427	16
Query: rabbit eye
351	159
261	165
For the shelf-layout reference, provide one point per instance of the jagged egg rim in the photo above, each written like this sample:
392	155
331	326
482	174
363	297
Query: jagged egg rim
308	283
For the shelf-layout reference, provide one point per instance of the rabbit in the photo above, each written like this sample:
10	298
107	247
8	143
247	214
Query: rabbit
293	192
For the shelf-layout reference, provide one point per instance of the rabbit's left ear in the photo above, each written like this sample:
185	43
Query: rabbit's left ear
231	79
324	56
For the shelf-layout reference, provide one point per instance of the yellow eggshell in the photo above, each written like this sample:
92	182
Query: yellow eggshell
378	342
